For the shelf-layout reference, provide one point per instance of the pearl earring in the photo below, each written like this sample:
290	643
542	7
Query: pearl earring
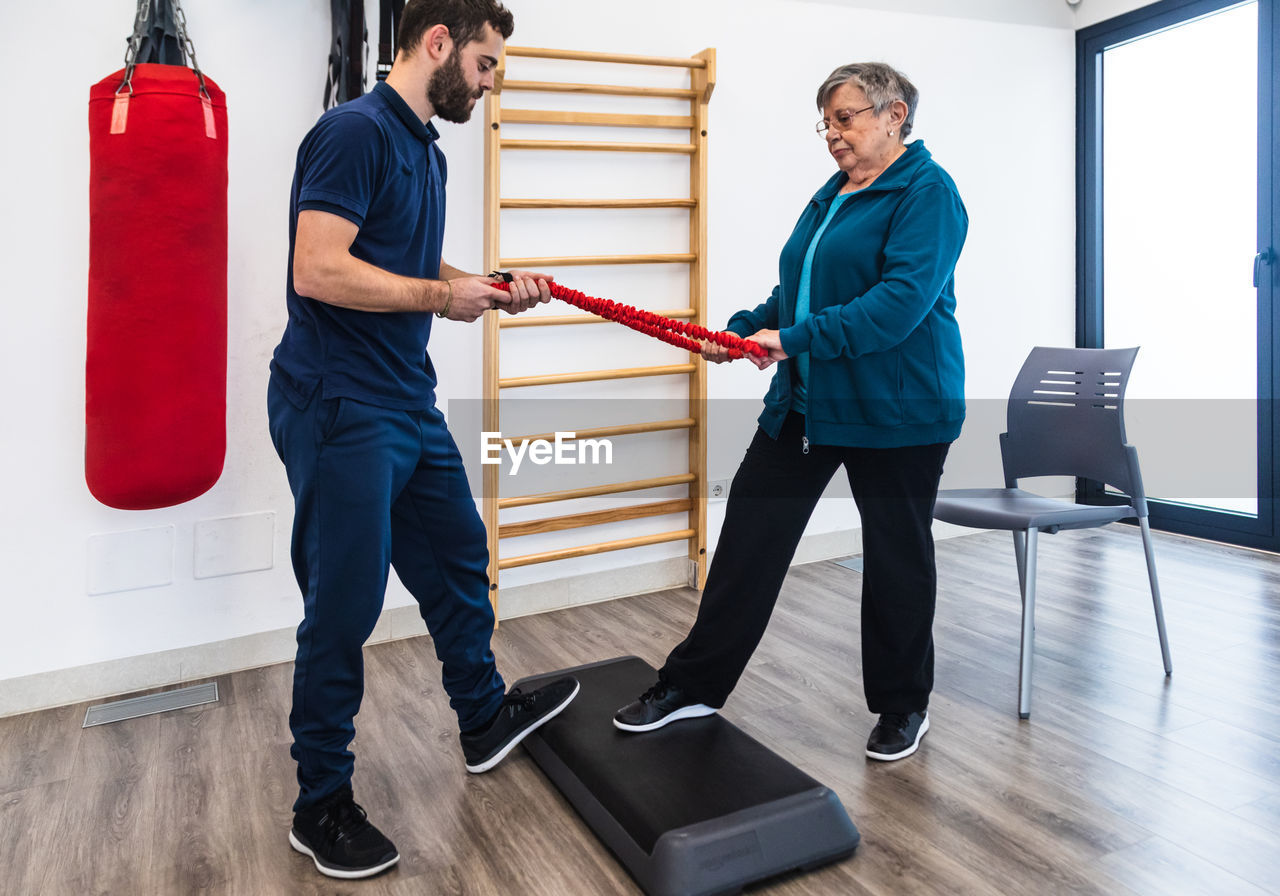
891	133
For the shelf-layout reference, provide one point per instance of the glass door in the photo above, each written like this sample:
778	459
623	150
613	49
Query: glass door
1176	219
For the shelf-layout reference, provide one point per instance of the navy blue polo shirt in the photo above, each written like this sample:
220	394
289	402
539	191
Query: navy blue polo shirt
373	162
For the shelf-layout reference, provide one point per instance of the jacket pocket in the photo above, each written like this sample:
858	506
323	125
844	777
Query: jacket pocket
865	391
878	385
921	387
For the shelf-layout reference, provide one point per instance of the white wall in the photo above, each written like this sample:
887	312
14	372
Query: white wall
1091	12
997	112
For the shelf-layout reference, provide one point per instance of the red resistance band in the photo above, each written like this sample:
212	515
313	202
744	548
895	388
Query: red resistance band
679	333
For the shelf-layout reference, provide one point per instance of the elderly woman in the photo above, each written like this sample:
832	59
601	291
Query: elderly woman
870	376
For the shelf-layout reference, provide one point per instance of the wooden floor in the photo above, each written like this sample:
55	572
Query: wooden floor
1121	781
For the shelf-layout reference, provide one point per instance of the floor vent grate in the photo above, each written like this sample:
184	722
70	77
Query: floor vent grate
165	701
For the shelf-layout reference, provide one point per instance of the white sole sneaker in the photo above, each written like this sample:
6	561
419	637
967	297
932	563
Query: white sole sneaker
889	757
493	760
344	874
692	711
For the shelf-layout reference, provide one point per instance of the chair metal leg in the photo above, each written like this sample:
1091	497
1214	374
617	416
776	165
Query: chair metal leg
1155	595
1028	626
1020	554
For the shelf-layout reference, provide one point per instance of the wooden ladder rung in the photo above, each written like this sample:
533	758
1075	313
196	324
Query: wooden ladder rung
591	376
590	56
679	93
594	518
595	491
597	146
605	432
588	549
570	260
598	203
607	119
558	320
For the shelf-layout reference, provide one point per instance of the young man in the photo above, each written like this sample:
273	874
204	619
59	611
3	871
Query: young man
376	477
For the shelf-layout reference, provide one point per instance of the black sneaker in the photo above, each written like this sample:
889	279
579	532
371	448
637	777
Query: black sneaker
897	735
660	705
519	715
338	837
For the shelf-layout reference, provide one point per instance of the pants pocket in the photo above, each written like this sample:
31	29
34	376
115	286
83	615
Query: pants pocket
329	417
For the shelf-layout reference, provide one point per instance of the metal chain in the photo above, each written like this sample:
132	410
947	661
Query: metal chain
132	43
183	37
188	45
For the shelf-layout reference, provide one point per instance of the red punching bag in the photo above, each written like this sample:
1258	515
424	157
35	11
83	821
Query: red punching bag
156	362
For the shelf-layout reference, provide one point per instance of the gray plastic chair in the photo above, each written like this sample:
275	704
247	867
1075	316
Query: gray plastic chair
1065	418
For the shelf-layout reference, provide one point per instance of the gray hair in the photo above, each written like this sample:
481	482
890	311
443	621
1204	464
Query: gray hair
882	84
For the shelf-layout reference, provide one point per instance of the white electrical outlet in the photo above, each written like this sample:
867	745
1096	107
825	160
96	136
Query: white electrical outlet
718	489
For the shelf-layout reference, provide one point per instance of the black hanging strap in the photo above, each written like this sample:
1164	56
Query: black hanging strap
345	80
388	26
161	38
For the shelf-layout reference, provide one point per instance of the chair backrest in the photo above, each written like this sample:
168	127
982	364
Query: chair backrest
1066	418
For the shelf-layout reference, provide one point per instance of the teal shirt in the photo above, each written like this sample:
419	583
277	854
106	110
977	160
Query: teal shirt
799	389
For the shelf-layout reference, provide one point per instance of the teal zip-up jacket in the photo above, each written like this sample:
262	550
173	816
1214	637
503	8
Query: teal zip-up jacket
886	367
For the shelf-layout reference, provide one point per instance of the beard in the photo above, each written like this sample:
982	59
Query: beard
449	93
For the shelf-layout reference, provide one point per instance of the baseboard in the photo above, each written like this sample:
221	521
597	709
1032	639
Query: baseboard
129	675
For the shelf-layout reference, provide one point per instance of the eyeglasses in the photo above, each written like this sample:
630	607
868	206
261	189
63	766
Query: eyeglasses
844	120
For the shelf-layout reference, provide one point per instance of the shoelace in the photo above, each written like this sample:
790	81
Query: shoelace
897	720
346	820
657	692
518	699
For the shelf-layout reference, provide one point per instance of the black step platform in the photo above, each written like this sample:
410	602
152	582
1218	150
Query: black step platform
697	807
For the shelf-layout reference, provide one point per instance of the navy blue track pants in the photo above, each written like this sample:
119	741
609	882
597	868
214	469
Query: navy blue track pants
375	488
